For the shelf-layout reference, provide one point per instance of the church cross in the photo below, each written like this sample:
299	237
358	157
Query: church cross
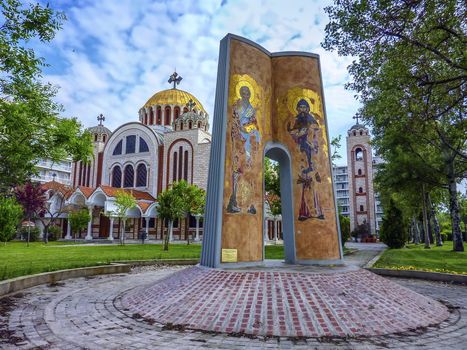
175	79
191	104
100	118
356	117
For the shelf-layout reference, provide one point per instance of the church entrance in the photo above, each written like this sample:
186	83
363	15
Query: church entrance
279	153
104	223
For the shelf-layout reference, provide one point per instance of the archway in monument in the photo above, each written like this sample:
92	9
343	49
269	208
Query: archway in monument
279	153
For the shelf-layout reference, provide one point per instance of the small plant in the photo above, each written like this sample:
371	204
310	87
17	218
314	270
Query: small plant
32	232
393	231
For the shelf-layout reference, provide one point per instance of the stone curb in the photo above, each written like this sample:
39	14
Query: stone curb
16	284
425	275
159	261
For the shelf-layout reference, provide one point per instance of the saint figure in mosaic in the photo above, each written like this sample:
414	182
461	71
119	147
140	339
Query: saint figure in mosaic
305	133
244	132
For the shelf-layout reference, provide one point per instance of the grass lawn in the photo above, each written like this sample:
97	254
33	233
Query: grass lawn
18	260
415	257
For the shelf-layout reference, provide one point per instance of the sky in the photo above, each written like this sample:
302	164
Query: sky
112	56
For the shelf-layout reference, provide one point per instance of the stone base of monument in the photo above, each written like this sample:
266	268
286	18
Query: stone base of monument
283	303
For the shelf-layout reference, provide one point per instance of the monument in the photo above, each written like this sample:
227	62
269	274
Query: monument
272	105
269	104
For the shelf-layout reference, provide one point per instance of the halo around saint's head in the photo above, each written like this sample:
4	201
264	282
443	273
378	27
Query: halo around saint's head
237	81
294	95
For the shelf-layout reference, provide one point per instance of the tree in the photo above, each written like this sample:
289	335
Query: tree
393	231
335	146
170	208
344	222
272	177
193	199
54	207
33	200
124	201
30	126
10	216
79	219
410	75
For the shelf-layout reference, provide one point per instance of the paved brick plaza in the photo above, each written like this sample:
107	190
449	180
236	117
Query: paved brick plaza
86	313
288	304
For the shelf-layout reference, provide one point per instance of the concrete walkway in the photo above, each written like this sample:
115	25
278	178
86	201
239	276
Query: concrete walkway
87	314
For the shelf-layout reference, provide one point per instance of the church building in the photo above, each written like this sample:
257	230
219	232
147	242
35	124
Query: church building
169	142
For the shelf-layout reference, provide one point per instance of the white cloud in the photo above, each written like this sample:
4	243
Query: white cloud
112	56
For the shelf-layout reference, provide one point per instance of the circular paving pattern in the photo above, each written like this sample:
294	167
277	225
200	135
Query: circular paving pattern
86	313
284	304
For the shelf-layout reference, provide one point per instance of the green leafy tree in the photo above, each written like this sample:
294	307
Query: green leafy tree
10	216
124	201
410	75
193	199
170	208
335	147
30	126
272	177
78	219
344	222
393	230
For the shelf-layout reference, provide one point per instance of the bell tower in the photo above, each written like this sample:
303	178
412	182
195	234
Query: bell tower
360	168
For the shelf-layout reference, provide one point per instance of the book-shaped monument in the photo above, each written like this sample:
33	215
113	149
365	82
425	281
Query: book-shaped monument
269	105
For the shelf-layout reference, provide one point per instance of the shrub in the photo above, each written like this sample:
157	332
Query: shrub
54	233
344	223
361	231
10	215
393	231
34	235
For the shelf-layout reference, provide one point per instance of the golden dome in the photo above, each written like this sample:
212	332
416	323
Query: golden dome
174	97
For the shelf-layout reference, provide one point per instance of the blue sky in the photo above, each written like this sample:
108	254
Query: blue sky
112	56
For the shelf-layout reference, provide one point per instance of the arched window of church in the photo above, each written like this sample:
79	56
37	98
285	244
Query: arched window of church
358	154
190	125
176	112
151	116
360	190
129	176
167	115
180	162
118	148
117	177
361	133
130	144
141	175
354	133
104	137
361	207
145	118
181	126
174	169
159	115
143	146
185	167
199	125
359	171
95	137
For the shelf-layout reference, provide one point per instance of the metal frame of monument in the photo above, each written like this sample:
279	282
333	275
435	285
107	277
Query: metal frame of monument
211	248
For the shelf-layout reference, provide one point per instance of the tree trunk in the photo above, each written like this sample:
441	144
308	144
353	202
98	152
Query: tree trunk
436	228
122	233
416	231
187	229
29	230
169	233
166	236
457	244
425	219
